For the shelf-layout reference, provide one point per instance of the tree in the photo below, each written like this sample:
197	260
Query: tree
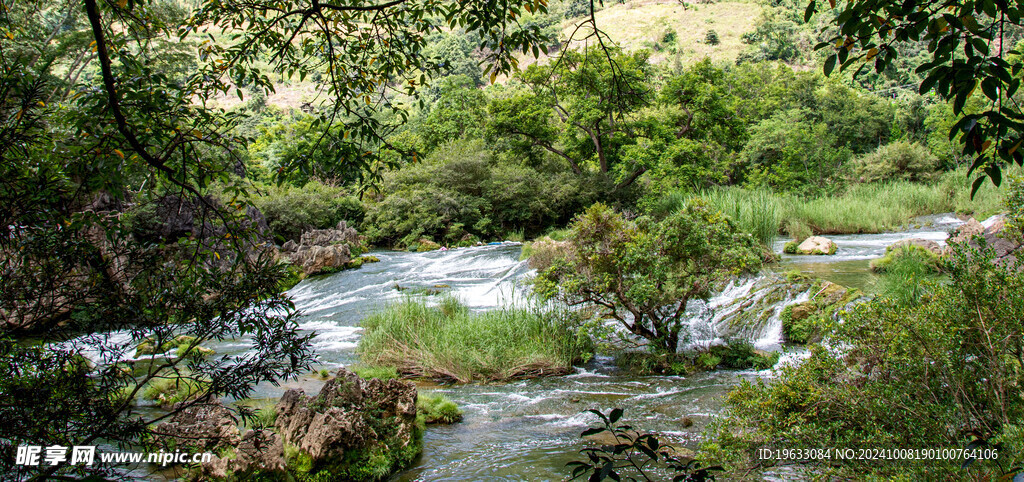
971	45
100	113
644	272
583	109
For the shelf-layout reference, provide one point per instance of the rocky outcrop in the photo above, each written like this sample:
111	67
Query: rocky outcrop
817	245
322	250
1007	248
259	450
204	427
926	244
348	414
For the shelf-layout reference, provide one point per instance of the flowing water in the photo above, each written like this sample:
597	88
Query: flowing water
528	430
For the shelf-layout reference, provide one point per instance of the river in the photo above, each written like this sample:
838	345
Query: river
528	430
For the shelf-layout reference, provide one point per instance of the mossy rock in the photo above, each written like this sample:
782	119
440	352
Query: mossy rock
370	259
148	347
196	353
790	247
424	245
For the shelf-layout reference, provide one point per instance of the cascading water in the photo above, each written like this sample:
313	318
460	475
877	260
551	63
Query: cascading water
529	429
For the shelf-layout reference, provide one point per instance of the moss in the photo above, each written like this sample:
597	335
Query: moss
790	247
438	409
196	353
424	245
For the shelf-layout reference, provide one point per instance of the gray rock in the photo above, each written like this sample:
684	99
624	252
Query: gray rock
203	427
260	450
341	416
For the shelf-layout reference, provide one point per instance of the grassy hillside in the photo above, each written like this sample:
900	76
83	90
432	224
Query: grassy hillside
669	31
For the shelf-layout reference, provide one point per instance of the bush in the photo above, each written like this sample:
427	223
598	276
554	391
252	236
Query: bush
638	267
460	195
449	342
1015	207
948	359
711	38
291	210
908	161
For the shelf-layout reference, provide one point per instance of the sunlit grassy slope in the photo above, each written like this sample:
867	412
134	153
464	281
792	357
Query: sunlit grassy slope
645	24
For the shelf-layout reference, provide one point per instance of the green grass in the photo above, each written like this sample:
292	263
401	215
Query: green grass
169	390
862	208
437	409
367	372
449	342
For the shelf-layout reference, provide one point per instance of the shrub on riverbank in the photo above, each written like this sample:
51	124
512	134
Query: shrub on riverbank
449	342
946	363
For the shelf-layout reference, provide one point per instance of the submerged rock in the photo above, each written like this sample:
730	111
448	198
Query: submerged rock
817	245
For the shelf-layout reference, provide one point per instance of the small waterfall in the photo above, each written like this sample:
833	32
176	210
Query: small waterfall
748	309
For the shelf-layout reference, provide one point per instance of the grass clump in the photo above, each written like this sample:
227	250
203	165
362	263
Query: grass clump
166	391
921	256
449	342
367	372
438	409
860	208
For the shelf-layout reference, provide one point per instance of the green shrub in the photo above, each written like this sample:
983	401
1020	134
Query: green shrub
449	342
437	409
790	247
742	355
1015	207
898	356
460	194
930	262
291	210
904	160
711	38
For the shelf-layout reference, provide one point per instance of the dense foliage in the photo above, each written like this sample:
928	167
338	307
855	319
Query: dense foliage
945	354
643	272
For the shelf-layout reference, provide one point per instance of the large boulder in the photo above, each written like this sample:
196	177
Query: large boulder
202	427
817	245
323	250
351	418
